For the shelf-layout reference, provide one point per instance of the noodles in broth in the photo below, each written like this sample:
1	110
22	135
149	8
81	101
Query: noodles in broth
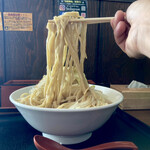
65	85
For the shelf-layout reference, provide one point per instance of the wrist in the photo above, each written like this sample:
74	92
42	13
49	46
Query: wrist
143	39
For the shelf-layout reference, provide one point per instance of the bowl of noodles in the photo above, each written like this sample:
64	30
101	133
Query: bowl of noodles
68	126
63	106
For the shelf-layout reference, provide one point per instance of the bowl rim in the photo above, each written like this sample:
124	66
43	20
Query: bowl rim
64	109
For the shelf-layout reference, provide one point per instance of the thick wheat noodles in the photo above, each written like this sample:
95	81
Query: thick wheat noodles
65	85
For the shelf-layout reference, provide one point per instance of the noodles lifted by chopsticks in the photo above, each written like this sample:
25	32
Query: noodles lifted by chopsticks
65	85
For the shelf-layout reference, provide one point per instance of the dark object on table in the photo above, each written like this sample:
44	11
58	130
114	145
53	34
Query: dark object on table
43	143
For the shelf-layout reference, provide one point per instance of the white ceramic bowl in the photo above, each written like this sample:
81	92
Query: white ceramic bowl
67	126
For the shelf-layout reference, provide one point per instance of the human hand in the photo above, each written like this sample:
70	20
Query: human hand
121	29
132	29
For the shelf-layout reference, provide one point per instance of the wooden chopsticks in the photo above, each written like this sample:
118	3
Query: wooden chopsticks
90	20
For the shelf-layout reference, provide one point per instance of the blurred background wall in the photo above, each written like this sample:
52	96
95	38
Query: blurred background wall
22	53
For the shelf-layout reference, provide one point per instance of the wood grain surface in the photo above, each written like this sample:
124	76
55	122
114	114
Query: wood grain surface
22	53
113	65
142	115
92	40
25	51
2	57
112	60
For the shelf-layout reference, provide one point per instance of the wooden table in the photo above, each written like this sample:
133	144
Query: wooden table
142	115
